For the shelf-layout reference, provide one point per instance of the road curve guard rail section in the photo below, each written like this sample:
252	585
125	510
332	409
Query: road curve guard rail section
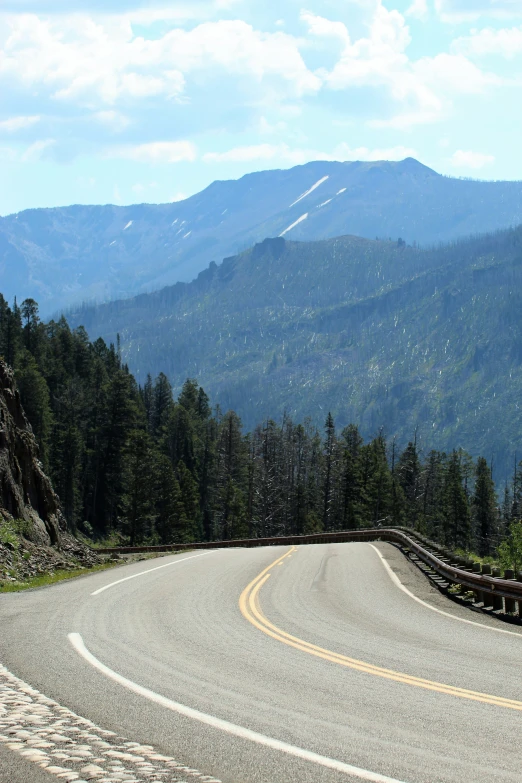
489	588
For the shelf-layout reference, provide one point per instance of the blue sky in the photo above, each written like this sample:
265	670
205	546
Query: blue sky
107	101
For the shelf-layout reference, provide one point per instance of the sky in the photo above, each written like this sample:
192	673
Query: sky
128	101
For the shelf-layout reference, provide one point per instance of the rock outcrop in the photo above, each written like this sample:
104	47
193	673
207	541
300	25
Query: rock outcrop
25	491
28	504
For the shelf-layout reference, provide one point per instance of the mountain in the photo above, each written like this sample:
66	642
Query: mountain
378	332
95	253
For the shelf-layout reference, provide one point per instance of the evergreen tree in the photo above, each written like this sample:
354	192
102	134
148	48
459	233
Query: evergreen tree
190	519
457	522
35	397
329	470
167	502
351	478
484	508
137	498
162	404
409	475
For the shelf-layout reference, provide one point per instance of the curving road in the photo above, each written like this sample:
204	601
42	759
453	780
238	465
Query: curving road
279	665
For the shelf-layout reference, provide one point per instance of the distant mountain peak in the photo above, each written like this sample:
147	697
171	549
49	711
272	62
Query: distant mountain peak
62	256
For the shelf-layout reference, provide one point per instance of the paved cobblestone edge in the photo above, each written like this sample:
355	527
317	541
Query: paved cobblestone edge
73	748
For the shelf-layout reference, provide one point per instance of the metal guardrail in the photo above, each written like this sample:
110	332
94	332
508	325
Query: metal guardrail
454	569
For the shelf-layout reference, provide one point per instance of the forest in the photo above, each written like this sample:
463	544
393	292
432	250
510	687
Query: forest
377	332
132	463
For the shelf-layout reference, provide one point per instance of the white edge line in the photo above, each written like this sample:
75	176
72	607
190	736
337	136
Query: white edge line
141	573
396	581
224	725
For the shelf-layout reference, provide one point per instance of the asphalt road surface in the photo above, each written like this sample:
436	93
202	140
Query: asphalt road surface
278	665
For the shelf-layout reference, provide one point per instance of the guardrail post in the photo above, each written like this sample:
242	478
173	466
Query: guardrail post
498	601
479	597
519	579
486	597
510	603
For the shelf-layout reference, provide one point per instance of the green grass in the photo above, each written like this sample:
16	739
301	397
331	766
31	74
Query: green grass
42	580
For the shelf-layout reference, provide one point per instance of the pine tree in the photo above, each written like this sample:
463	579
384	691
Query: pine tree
351	478
409	474
457	522
329	451
35	397
162	404
137	499
484	508
167	497
189	503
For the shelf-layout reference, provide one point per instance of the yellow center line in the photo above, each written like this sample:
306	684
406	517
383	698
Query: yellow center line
251	611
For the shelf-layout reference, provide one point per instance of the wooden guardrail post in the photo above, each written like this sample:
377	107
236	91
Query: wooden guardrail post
498	601
486	598
478	594
510	603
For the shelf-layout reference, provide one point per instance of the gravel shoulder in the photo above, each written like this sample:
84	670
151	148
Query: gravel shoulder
418	584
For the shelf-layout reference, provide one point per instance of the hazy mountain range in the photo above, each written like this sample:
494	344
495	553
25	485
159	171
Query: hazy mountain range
381	334
72	254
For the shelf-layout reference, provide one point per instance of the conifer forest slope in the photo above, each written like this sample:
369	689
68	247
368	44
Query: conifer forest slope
381	334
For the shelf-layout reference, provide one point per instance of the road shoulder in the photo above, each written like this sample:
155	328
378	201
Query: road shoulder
417	583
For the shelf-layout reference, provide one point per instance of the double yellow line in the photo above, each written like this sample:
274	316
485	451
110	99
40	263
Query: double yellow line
251	611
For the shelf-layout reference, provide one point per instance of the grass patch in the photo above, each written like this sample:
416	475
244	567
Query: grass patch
43	580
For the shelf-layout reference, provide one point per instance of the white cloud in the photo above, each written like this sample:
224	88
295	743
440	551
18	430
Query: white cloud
35	151
295	156
409	120
420	89
114	120
454	73
265	128
468	10
155	152
14	124
83	58
344	152
178	197
506	42
252	152
418	9
325	28
380	61
466	159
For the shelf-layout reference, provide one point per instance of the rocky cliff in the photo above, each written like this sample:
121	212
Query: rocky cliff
33	531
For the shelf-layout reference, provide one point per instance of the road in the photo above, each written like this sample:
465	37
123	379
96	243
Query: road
278	665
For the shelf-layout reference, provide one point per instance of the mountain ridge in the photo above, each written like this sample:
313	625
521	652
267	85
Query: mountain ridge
61	256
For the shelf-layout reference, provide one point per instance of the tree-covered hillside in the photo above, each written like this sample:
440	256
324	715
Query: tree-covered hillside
379	333
78	253
129	460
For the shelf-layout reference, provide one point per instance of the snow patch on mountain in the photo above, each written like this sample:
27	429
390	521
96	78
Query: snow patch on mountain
129	224
310	190
340	191
299	220
324	203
